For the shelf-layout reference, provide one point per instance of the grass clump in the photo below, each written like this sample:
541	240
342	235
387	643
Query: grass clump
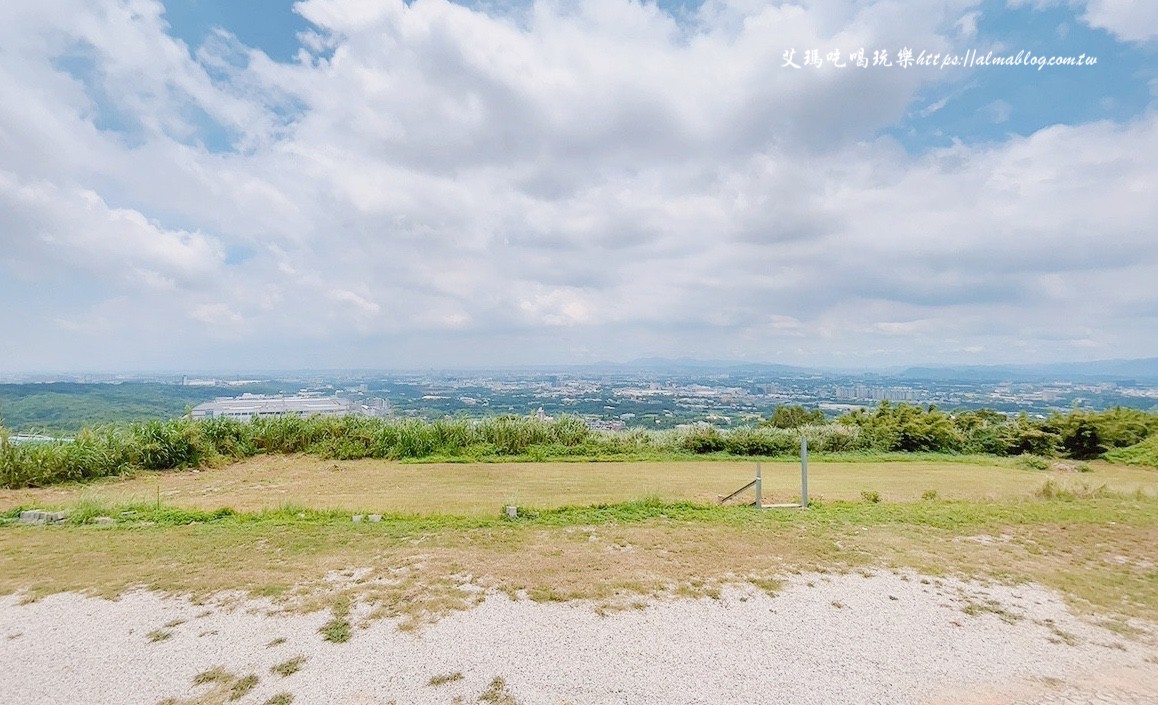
445	678
280	699
217	674
871	496
224	687
496	693
1033	462
290	667
241	687
338	629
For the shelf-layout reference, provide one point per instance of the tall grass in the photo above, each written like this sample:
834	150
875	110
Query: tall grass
179	443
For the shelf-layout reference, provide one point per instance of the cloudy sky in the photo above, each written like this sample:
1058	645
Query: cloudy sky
212	184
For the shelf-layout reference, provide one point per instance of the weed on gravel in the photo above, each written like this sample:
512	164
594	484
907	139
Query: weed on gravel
338	630
286	669
497	693
225	688
443	679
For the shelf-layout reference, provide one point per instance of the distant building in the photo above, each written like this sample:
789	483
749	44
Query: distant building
248	406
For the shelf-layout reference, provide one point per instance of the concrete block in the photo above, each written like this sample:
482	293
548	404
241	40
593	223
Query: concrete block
37	516
358	518
104	521
375	518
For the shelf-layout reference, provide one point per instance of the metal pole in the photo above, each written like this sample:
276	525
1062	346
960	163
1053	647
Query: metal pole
759	504
804	472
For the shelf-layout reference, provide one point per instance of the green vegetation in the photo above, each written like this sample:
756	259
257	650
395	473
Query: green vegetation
225	688
497	693
1091	543
242	686
445	678
181	443
286	669
67	407
337	630
1141	453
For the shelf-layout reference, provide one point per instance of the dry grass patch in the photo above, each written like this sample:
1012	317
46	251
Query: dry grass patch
443	679
225	687
286	669
480	489
497	693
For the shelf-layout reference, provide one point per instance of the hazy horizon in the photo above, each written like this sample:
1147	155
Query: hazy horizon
648	363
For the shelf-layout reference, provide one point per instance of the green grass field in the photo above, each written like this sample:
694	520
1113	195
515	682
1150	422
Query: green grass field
613	533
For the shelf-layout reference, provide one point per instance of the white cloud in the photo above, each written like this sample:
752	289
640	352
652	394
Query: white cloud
596	178
1129	20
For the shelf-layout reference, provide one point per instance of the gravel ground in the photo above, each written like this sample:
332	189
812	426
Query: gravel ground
823	639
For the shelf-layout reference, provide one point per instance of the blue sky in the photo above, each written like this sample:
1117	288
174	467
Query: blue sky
229	185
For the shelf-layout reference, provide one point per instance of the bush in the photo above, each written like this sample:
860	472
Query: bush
1032	462
703	439
764	441
1144	453
788	417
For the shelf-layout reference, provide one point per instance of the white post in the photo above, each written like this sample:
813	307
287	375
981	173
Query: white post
759	504
803	472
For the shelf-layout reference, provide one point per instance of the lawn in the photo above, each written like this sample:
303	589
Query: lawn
584	533
481	489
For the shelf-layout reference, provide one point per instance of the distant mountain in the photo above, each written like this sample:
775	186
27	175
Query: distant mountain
687	364
1141	370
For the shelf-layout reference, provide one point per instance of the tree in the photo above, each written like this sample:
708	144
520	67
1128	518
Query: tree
794	417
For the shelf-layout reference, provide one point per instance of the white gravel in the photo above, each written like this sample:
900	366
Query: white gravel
823	639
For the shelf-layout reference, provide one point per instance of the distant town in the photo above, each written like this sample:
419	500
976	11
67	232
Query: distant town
663	394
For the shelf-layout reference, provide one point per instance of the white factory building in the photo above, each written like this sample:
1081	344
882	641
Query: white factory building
249	406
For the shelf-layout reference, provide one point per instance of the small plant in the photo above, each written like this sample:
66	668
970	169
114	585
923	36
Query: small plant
497	693
242	686
276	642
770	586
280	699
929	495
445	678
1033	462
337	630
871	496
1084	467
217	674
160	635
288	668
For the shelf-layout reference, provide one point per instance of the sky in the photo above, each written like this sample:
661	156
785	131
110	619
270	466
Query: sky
222	185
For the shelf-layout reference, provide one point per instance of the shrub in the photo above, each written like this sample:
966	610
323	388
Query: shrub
703	439
763	441
789	417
